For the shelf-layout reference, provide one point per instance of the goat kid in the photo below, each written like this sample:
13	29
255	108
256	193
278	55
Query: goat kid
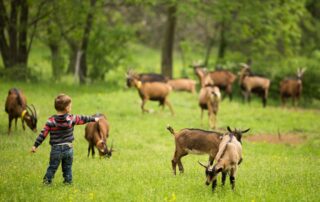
97	133
194	141
253	83
188	85
16	107
292	87
209	98
154	91
227	159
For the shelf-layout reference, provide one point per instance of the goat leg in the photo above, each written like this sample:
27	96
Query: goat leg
92	151
174	166
181	169
9	128
170	107
15	123
142	106
89	147
223	178
214	184
232	182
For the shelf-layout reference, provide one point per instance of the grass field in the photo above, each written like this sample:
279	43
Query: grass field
140	169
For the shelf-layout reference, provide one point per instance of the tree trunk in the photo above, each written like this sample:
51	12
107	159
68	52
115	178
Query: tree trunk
56	61
223	42
73	46
168	44
85	42
14	51
208	52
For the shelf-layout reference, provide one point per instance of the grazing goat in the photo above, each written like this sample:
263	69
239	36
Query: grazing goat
188	85
253	83
209	98
292	87
154	91
146	77
227	159
194	141
16	107
97	133
223	79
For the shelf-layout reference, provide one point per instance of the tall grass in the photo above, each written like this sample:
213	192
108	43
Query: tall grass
140	169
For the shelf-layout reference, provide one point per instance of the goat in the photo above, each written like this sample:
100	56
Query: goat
227	159
223	79
194	141
201	74
16	107
97	133
188	85
209	98
154	91
253	83
146	77
292	87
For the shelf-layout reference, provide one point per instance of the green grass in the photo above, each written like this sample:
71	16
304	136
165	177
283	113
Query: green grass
140	169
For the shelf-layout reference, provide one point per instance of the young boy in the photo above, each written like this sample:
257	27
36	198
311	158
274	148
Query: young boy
60	127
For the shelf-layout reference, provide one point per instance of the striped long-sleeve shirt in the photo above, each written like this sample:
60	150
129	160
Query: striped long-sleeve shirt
60	128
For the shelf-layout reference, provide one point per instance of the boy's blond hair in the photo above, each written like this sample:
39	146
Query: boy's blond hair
61	102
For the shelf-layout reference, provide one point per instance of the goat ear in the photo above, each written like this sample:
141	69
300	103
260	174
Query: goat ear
229	129
202	165
244	131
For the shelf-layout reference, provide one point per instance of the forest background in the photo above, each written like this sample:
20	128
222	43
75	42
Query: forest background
98	41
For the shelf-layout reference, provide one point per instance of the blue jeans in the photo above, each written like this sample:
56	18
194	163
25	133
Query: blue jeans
63	154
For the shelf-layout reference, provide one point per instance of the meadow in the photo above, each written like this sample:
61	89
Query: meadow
140	168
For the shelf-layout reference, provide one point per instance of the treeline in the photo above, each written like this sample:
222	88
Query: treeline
277	36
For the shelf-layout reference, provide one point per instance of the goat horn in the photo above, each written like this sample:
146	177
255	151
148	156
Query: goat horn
35	112
202	165
244	131
29	109
229	129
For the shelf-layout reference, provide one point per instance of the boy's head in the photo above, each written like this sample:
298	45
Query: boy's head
62	103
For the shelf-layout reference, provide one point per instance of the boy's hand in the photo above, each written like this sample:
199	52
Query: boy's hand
96	119
33	149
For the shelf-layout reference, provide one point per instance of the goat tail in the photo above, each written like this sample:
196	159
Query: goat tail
170	129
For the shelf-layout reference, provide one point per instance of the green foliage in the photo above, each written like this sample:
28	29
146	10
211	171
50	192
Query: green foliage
140	168
108	45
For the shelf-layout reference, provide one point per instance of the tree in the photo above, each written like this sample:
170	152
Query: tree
168	43
85	41
15	27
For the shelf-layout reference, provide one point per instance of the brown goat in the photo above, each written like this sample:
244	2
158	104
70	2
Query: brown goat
188	85
209	98
16	107
223	79
154	91
194	141
253	83
146	77
292	87
97	133
227	159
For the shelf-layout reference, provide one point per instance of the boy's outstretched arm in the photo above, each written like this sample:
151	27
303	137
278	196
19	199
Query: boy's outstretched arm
81	119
